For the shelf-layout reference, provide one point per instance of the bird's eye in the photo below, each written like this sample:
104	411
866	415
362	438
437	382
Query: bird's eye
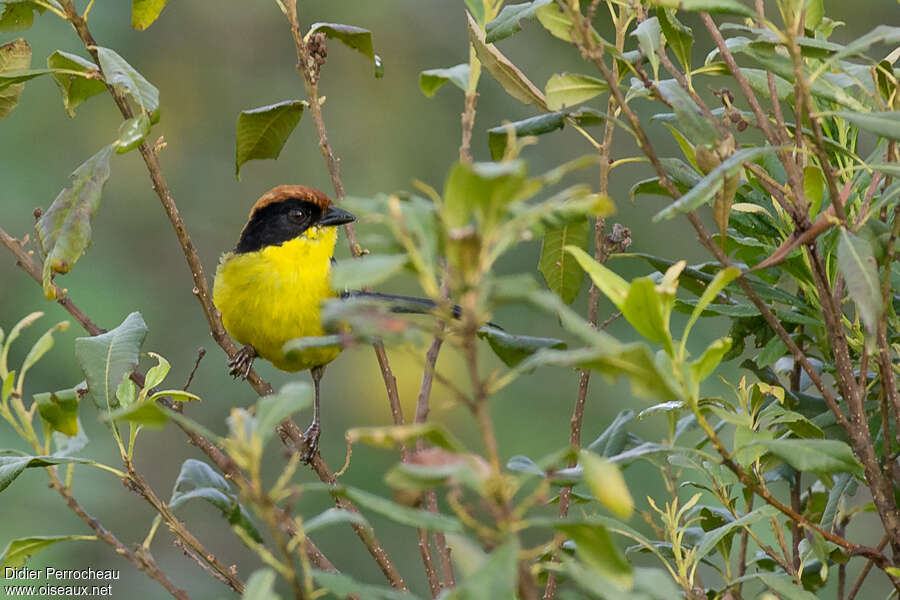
296	215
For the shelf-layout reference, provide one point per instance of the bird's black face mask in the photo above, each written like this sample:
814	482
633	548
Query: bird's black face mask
279	222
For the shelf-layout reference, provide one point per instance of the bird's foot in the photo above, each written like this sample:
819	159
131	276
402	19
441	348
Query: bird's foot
310	443
240	365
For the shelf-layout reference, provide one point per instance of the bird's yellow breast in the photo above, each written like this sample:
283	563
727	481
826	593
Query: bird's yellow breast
273	295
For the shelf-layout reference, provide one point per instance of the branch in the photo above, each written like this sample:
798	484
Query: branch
137	483
422	410
801	211
865	572
602	249
141	559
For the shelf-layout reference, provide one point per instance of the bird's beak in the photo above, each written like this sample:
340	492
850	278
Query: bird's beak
336	216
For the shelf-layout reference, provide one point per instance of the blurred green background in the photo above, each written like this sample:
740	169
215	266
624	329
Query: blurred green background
210	61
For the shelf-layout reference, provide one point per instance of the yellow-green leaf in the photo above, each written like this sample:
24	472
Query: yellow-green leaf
145	12
14	56
262	132
607	484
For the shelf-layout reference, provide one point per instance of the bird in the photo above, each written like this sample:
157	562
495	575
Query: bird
269	289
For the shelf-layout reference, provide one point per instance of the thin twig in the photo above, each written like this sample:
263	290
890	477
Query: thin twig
422	410
601	254
201	352
138	484
865	571
141	559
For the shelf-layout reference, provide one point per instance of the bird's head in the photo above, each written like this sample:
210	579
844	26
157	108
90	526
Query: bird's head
286	212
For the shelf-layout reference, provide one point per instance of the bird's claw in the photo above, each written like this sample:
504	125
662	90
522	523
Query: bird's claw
310	443
240	365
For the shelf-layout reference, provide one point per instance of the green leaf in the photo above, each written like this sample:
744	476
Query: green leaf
60	410
369	270
432	79
613	287
197	480
21	549
498	136
451	469
815	10
704	366
650	39
783	585
152	414
883	124
107	359
882	34
507	74
711	538
14	56
697	129
342	586
644	309
705	191
813	188
18	16
820	456
120	74
13	466
40	348
262	132
513	349
482	189
679	37
562	274
157	373
476	8
556	21
334	516
127	392
132	133
612	440
711	293
495	578
261	586
607	484
820	87
145	12
842	485
733	7
856	263
147	413
174	396
14	333
64	229
596	549
419	518
357	38
569	89
271	410
507	22
75	89
390	436
634	361
771	352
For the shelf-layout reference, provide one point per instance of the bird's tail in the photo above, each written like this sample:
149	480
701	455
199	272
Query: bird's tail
406	304
400	304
